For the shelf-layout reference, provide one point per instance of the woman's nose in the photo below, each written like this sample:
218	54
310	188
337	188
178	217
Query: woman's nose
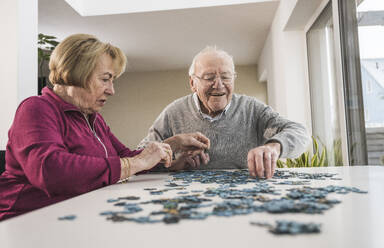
110	89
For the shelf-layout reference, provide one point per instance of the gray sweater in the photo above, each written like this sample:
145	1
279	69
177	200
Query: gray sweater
247	123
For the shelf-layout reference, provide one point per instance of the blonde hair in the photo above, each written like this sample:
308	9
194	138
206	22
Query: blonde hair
210	49
74	59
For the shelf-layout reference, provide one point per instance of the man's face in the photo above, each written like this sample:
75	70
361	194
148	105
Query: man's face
213	82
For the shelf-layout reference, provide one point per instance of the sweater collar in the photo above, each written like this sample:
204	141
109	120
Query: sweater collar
205	116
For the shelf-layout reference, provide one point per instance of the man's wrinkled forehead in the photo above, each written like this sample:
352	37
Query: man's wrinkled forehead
211	62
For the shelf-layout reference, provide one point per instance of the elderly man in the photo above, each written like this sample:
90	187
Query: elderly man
242	131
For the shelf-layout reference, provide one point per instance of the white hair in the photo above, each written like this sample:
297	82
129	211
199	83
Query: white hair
210	49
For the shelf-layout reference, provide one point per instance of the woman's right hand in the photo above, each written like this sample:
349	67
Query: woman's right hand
152	154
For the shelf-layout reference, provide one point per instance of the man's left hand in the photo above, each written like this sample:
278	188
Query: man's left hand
262	160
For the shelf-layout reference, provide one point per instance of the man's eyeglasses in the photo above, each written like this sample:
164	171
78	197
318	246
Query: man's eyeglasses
225	78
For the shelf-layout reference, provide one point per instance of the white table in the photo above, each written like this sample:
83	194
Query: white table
356	222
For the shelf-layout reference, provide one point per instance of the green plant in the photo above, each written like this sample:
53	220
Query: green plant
337	153
46	44
318	159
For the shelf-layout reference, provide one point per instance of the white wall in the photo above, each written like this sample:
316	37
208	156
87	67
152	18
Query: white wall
18	66
283	65
141	96
98	7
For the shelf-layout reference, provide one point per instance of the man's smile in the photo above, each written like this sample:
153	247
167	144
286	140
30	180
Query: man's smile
217	94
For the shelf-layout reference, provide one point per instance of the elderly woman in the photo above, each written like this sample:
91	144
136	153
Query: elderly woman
60	147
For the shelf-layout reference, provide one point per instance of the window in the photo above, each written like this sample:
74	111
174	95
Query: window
369	86
370	24
325	91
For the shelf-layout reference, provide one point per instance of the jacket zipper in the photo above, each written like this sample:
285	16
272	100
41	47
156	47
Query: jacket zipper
97	137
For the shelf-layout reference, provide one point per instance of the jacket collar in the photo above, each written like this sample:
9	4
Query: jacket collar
63	105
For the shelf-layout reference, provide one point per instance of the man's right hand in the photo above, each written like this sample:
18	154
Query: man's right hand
185	161
188	143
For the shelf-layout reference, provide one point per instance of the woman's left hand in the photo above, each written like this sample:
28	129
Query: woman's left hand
152	154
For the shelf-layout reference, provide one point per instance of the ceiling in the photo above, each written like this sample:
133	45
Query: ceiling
167	40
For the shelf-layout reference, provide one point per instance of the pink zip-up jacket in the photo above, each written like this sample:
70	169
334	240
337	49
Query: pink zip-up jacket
54	153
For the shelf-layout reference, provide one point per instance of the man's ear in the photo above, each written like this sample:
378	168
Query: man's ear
192	84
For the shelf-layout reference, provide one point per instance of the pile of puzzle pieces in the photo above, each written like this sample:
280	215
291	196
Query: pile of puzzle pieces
261	196
227	198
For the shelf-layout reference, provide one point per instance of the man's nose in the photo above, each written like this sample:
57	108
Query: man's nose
218	83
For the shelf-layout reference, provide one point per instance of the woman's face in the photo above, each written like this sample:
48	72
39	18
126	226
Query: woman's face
100	87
